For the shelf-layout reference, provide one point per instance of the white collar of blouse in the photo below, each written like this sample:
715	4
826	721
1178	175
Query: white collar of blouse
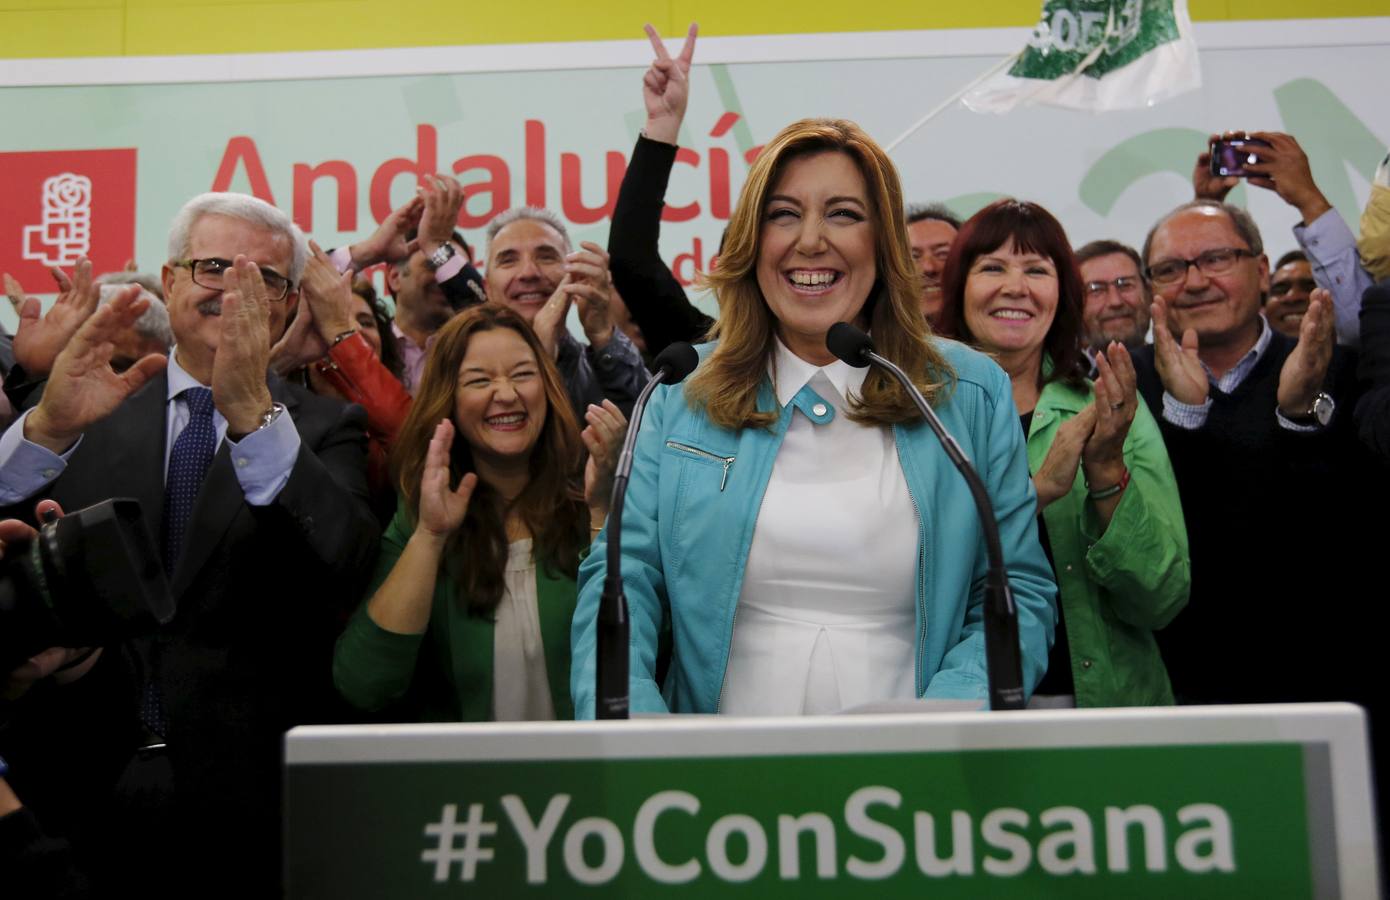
790	373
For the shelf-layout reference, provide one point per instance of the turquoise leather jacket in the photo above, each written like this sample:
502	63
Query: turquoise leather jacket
688	523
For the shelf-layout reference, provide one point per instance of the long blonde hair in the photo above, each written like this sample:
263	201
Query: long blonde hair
727	385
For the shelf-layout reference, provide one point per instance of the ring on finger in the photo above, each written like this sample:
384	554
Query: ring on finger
1117	406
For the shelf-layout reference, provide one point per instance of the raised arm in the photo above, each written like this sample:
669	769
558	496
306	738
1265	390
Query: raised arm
345	358
654	297
1283	168
375	658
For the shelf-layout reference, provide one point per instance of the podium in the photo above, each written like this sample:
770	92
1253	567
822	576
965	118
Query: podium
1188	802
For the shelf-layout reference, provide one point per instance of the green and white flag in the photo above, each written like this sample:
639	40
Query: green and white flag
1098	55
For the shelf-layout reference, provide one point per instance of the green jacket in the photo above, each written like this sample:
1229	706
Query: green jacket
1116	588
445	674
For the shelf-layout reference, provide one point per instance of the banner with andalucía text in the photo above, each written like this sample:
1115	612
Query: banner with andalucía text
100	170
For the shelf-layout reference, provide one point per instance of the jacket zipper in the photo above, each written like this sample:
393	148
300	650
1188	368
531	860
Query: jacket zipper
727	461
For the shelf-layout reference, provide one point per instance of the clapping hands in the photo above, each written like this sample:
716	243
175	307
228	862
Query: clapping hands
39	339
442	509
1094	438
1302	375
239	389
83	388
1179	368
587	281
603	438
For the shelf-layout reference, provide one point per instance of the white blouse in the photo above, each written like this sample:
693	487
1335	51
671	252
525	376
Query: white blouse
520	683
827	615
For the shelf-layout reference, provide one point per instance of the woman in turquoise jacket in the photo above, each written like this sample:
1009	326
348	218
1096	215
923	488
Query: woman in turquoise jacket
468	616
793	580
1113	523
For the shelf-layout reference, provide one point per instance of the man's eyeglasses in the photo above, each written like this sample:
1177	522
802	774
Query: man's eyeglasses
1125	286
1213	262
209	272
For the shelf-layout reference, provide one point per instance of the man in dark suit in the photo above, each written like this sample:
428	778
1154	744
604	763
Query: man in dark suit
256	491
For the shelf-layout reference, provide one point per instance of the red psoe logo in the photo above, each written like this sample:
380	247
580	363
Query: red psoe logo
63	205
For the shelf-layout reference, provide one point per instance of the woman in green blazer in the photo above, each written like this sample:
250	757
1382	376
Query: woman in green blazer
1111	520
468	617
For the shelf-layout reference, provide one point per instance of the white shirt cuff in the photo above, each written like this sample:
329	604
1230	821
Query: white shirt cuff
1185	415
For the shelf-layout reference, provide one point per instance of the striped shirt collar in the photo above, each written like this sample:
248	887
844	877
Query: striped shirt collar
1241	370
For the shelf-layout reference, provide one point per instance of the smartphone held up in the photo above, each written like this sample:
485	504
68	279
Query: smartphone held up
1230	156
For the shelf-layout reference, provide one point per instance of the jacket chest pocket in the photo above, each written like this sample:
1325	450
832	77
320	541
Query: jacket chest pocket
708	457
700	513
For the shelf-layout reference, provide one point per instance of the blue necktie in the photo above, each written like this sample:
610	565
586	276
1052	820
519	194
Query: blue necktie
188	463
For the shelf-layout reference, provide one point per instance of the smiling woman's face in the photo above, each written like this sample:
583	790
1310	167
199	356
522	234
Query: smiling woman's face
816	254
1010	299
499	401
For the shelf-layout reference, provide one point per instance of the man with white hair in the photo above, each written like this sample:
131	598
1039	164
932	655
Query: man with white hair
256	492
532	268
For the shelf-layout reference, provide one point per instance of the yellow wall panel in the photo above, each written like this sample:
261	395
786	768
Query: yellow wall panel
57	5
160	26
75	28
1293	9
70	32
732	17
241	27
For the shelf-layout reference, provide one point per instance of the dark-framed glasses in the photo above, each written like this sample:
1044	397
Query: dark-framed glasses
1213	262
1125	286
209	273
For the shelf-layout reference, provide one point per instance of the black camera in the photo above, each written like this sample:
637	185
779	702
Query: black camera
89	579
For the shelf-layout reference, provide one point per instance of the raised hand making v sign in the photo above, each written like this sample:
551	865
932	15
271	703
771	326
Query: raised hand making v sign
658	310
666	87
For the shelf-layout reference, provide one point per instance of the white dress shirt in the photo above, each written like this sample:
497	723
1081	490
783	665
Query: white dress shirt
827	615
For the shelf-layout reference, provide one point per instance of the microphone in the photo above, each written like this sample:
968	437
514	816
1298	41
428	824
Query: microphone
1002	657
614	629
